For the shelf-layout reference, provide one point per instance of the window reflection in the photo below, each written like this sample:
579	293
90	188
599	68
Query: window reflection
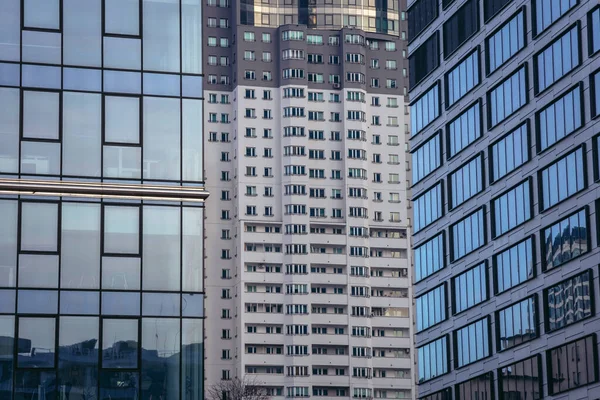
121	273
565	240
122	53
192	255
161	248
481	387
41	158
7	334
121	230
119	385
192	359
43	14
35	385
36	342
39	226
41	47
162	138
160	358
40	115
8	242
9	130
161	35
122	119
572	365
82	32
120	343
37	270
521	380
517	323
122	162
10	36
122	17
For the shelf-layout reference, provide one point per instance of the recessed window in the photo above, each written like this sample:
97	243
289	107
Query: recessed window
463	130
429	257
514	265
565	240
579	355
562	179
505	42
425	109
517	323
507	97
557	59
41	14
569	302
420	14
468	234
528	373
470	288
483	385
594	30
510	152
512	208
560	118
433	359
493	7
545	13
431	308
465	182
428	207
427	158
472	343
462	78
424	60
460	27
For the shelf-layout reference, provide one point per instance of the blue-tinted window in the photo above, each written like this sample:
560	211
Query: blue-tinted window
557	60
472	342
594	30
463	24
545	12
427	158
470	288
562	179
428	207
433	359
560	118
595	93
462	78
464	129
517	323
425	109
511	208
507	97
565	240
467	235
506	42
466	181
514	265
521	380
569	302
596	155
510	152
431	308
480	387
429	257
572	365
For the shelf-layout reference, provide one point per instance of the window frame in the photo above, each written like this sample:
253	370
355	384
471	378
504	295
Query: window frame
488	376
529	180
534	32
19	246
413	35
451	236
590	30
22	137
476	50
495	13
486	271
140	98
140	210
456	118
548	352
533	263
445	337
455	342
596	161
488	107
451	173
443	307
538	360
419	51
440	236
123	35
436	85
461	18
422	193
586	211
488	37
37	29
594	102
527	122
536	323
437	134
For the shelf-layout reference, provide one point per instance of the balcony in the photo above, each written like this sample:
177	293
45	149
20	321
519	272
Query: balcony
333	319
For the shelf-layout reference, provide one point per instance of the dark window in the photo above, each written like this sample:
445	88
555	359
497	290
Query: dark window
572	365
562	179
596	155
493	7
445	394
465	182
595	93
545	12
560	118
463	130
481	387
420	15
505	42
472	343
470	288
427	158
431	308
461	26
424	60
514	265
428	207
429	257
512	208
425	109
521	380
569	302
517	323
565	240
507	97
467	235
510	152
446	3
433	359
462	78
594	30
557	59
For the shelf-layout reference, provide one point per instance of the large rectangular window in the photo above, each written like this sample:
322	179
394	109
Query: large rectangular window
562	179
429	257
161	36
517	323
493	7
509	152
472	343
425	109
427	158
464	130
463	24
545	13
557	59
467	235
594	31
572	365
465	182
505	42
507	97
512	208
433	359
431	308
470	288
514	265
521	380
462	78
569	302
420	15
560	118
428	207
565	240
424	60
595	93
480	387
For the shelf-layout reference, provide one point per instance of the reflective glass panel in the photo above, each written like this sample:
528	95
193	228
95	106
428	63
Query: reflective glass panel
572	365
120	343
122	162
122	53
192	249
82	32
192	140
160	358
7	337
121	273
119	385
472	343
517	323
9	129
120	303
9	74
192	305
433	360
41	158
161	35
41	76
82	79
35	385
122	17
161	252
522	379
191	36
8	242
8	300
37	302
37	270
40	114
161	304
79	302
514	265
122	119
42	47
121	230
569	302
162	138
10	30
431	308
470	288
122	82
429	257
43	14
192	359
82	121
36	345
39	226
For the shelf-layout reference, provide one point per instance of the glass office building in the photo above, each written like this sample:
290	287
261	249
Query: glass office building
101	199
505	99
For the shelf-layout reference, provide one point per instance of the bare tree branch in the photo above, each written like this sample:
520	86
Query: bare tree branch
247	388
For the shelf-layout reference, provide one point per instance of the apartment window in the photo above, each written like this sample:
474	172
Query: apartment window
433	359
545	13
425	109
465	182
431	308
560	118
249	37
472	342
462	78
514	265
517	323
572	365
512	208
507	97
468	234
428	207
460	27
557	59
420	15
429	257
569	302
427	158
505	42
463	130
482	385
562	179
510	152
565	240
470	288
424	60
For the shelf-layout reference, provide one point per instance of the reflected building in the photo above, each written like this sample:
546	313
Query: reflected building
505	106
101	200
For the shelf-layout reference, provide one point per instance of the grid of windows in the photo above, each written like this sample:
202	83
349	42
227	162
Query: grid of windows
507	97
512	208
509	152
507	41
470	288
425	109
464	129
472	343
565	240
427	158
545	14
517	323
557	59
482	386
428	207
569	302
431	308
467	235
514	265
462	78
429	257
463	24
562	179
521	380
572	365
433	359
466	181
560	118
424	60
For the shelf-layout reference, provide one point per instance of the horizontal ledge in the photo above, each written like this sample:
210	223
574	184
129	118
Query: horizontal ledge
105	190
